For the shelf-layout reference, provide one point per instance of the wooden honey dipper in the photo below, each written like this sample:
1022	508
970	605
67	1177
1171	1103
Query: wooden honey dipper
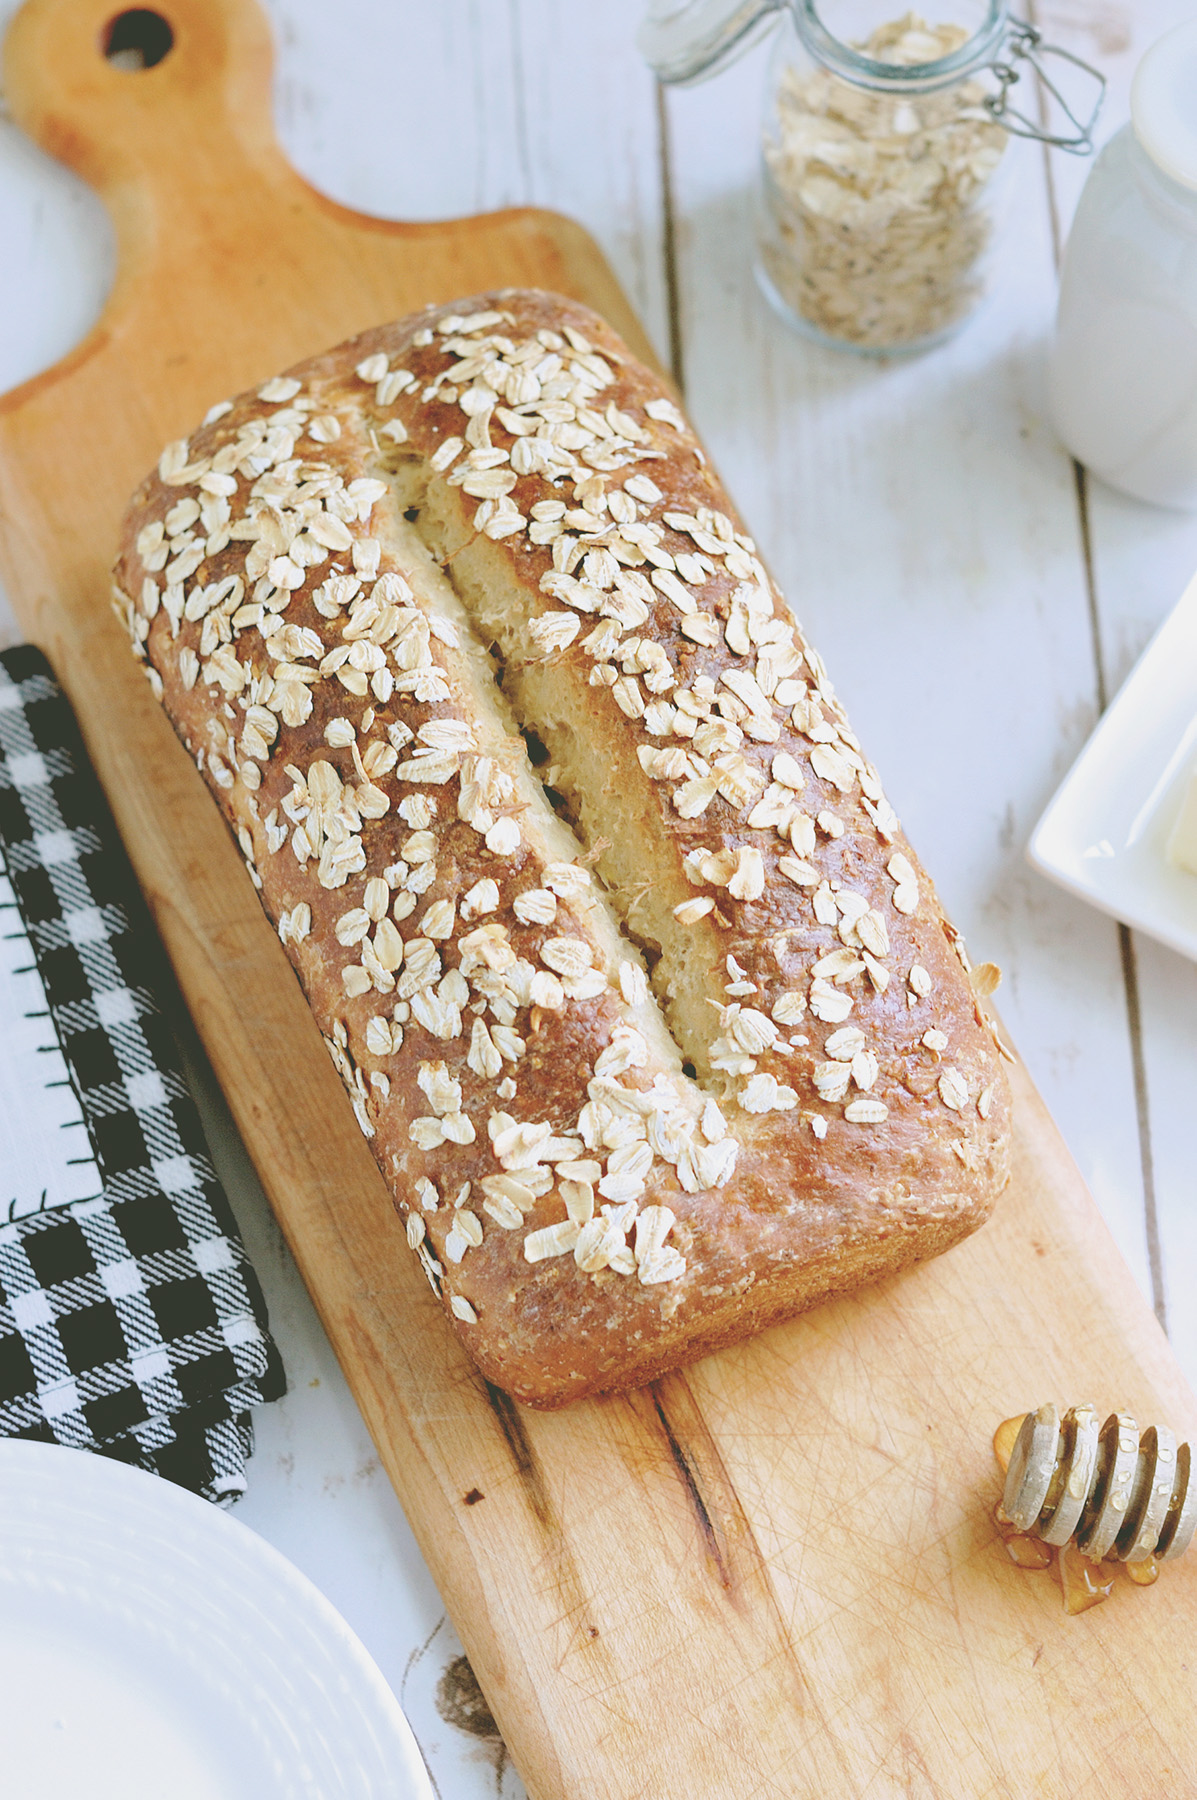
1119	1495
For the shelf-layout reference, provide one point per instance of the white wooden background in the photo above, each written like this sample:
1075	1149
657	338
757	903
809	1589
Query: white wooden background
976	599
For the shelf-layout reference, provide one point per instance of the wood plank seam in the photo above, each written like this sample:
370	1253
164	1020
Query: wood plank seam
1126	948
677	354
1134	1016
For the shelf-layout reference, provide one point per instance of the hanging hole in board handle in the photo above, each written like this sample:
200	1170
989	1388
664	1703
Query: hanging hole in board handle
151	95
136	40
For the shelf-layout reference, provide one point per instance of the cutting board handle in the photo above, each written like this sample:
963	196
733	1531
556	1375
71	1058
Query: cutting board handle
204	105
230	265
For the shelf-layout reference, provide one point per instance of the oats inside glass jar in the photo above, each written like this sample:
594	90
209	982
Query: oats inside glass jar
879	204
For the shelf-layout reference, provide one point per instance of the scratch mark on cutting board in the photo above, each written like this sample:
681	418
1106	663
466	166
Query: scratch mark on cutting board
573	1592
522	1454
711	1535
727	1533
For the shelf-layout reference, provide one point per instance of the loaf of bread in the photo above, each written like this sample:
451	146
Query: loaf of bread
650	1015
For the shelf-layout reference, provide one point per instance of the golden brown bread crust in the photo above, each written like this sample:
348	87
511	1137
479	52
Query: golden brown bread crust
315	580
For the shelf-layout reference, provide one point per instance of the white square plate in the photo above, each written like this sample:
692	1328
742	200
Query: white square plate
1104	836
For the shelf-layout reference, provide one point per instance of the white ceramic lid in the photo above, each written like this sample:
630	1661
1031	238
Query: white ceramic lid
1164	104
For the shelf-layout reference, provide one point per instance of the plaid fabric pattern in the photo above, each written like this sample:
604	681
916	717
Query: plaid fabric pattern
130	1323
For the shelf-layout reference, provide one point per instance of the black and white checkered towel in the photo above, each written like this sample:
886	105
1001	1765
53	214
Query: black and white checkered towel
131	1322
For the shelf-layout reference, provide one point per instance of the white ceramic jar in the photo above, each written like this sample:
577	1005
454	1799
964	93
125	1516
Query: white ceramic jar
1124	362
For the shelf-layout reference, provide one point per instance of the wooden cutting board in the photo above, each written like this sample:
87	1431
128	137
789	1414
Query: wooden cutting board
775	1574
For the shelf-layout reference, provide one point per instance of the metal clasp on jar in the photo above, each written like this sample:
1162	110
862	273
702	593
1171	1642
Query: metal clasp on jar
1025	44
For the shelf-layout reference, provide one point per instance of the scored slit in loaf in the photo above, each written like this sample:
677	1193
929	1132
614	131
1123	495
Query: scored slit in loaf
354	589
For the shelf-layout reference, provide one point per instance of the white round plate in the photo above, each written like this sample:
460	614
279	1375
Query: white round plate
152	1648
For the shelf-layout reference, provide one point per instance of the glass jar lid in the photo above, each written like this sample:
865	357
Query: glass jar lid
686	41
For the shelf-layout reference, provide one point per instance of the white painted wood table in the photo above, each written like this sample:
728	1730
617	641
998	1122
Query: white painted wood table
977	600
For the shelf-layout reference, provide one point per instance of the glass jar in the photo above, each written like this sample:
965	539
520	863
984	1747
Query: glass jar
881	205
1124	361
886	170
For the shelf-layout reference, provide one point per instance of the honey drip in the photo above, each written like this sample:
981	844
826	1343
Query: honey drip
1004	1440
1025	1551
1084	1583
1028	1552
